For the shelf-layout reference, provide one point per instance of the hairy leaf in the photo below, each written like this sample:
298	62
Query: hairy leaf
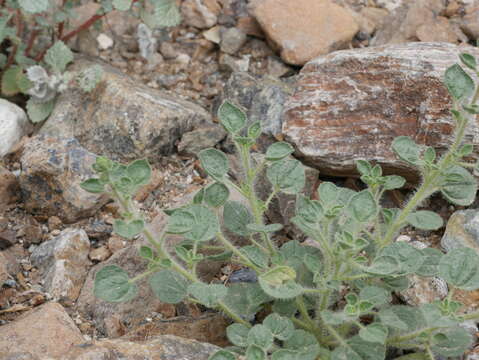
232	117
459	186
236	217
34	6
128	229
139	171
238	334
287	175
194	222
254	352
406	149
112	284
169	286
278	151
216	194
460	267
208	294
94	186
261	336
458	82
122	5
280	283
363	207
214	162
425	220
58	57
282	328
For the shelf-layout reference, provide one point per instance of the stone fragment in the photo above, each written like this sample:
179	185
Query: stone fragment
46	332
100	253
63	262
130	313
305	29
167	50
262	98
197	14
8	185
52	170
410	22
213	34
232	40
462	230
3	269
233	64
424	290
276	68
250	26
14	125
469	23
193	142
122	119
351	104
104	41
158	347
374	16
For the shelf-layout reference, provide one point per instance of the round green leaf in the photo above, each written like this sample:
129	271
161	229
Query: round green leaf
238	334
425	220
254	352
406	149
281	327
93	185
208	294
34	6
278	151
112	285
122	5
58	57
363	207
194	222
375	333
431	258
236	217
254	131
231	117
139	171
146	252
255	255
264	228
261	336
468	60
460	267
280	283
169	286
128	229
459	186
223	355
304	343
458	82
216	194
452	342
287	175
393	182
214	162
408	257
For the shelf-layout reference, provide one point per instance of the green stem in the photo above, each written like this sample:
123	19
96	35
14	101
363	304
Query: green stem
304	311
232	315
141	276
238	253
471	316
429	353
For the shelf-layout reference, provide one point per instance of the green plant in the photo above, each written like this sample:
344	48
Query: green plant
334	300
33	50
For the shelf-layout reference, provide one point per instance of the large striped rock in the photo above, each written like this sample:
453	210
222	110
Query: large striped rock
351	104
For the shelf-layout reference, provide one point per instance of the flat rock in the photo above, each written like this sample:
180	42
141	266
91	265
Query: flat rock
44	332
165	347
14	125
8	185
63	262
122	119
3	269
351	104
304	29
52	170
462	230
194	141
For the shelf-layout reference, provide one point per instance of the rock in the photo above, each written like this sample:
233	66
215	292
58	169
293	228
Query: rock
8	186
104	41
159	347
262	98
213	34
130	313
232	40
389	4
14	125
168	51
374	17
250	26
462	230
469	23
276	68
209	327
52	170
122	119
195	141
424	290
46	331
350	105
416	20
3	270
305	29
197	14
63	262
233	64
100	254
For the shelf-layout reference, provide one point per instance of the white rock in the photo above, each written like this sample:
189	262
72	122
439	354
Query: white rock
104	41
14	125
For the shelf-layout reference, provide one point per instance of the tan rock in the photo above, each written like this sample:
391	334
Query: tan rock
462	230
470	21
3	269
46	331
304	29
374	16
440	30
351	104
100	253
201	14
64	263
8	184
157	348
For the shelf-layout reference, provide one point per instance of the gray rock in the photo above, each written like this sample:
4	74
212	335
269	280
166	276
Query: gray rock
164	347
14	125
8	187
122	119
193	142
63	263
462	230
232	40
262	98
52	170
233	64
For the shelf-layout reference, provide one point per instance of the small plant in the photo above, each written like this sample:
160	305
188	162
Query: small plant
34	54
334	300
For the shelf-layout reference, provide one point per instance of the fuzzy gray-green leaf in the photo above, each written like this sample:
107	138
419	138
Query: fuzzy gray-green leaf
214	162
236	217
208	294
112	285
363	207
139	171
195	222
281	327
58	57
406	149
34	6
261	336
458	82
169	286
425	220
452	342
231	117
128	229
460	267
278	151
216	194
238	334
459	186
287	175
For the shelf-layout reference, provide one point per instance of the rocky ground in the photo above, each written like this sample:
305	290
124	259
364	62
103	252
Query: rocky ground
337	79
